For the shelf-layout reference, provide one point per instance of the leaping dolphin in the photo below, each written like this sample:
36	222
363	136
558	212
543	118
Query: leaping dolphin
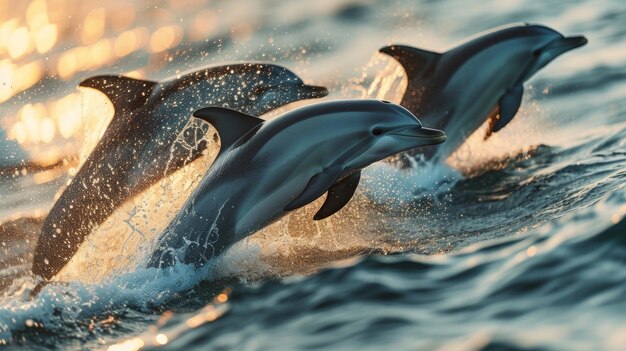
267	168
480	79
139	147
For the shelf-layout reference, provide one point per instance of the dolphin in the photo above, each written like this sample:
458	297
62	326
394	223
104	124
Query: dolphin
145	142
481	79
265	169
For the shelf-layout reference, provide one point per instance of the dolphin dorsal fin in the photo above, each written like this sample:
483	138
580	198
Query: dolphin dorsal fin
231	125
125	93
416	62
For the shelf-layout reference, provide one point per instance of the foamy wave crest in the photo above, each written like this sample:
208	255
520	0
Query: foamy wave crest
69	307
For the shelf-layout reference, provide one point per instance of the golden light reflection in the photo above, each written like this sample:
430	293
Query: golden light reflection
195	321
37	127
66	113
133	344
45	38
207	314
30	115
211	315
95	36
165	316
19	43
37	14
66	65
130	41
153	337
100	53
93	26
46	176
241	31
122	17
203	24
14	79
45	155
137	74
221	298
6	79
47	130
161	339
165	38
27	75
18	133
6	29
617	216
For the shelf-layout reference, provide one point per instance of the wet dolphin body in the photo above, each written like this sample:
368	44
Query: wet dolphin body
141	144
266	169
481	79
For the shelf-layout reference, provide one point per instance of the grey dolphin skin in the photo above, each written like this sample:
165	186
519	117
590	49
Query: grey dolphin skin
478	80
142	143
267	168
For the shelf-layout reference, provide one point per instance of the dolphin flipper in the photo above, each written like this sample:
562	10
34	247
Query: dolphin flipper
509	104
338	196
416	62
125	93
231	125
317	186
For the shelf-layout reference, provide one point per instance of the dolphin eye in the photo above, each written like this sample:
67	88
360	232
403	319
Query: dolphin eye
377	131
536	52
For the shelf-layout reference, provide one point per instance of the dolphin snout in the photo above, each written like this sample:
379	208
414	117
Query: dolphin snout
426	136
312	91
575	41
561	45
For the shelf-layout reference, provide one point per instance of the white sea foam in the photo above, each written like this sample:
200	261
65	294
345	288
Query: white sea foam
61	305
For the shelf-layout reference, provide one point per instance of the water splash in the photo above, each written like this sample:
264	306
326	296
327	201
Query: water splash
65	308
123	242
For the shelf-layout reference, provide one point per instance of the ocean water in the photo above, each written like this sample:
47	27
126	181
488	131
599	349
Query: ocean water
517	243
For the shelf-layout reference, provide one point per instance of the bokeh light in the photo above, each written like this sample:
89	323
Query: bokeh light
44	54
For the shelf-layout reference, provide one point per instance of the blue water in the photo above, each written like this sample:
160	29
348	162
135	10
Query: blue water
518	244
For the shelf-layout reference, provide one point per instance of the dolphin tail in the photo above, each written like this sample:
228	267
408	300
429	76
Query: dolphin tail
125	93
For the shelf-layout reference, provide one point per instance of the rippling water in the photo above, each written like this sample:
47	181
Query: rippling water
517	244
